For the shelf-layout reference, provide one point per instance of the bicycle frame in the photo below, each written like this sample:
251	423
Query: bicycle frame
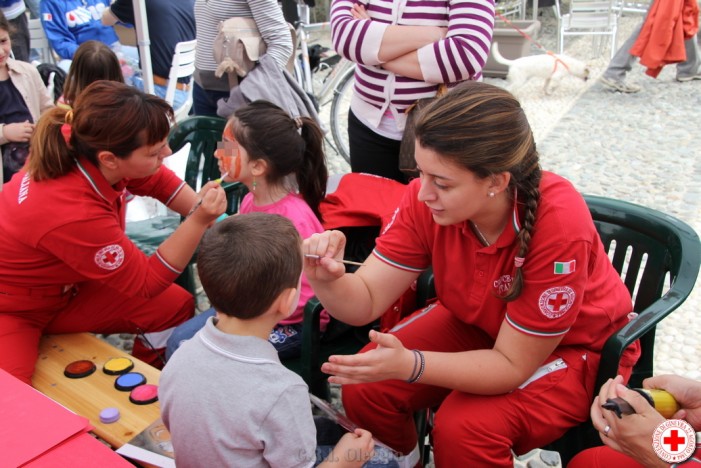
303	70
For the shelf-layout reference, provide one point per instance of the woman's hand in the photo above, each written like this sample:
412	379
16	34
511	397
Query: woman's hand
358	11
18	132
630	434
390	360
329	246
687	392
212	204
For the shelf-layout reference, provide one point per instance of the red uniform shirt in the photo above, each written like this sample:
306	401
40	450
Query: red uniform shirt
71	229
570	287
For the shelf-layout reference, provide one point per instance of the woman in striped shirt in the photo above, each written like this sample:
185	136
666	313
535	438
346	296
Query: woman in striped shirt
208	14
404	51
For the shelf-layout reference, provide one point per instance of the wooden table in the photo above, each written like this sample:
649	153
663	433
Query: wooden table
90	395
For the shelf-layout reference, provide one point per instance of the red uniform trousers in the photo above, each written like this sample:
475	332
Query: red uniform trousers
95	308
603	457
473	430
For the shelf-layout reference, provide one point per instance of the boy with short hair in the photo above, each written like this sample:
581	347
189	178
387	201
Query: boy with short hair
225	397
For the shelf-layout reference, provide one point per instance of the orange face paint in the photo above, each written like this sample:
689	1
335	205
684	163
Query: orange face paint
228	151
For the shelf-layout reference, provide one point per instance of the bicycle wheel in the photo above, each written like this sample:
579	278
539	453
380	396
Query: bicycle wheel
339	113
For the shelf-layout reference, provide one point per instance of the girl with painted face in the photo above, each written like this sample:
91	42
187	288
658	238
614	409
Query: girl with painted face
281	161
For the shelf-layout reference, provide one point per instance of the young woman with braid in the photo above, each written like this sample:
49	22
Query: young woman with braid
526	293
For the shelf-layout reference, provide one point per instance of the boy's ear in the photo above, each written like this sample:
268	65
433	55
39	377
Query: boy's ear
287	302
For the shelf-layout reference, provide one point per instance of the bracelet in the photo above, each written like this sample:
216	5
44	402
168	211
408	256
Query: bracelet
416	366
421	367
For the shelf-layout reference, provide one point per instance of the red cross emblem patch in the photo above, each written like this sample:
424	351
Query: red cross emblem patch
554	302
110	257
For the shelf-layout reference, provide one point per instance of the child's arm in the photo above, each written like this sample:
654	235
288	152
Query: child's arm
353	450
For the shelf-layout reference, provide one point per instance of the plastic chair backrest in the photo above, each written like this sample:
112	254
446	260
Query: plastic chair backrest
38	40
658	257
587	18
183	66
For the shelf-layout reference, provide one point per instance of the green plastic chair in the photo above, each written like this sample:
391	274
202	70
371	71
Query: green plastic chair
659	257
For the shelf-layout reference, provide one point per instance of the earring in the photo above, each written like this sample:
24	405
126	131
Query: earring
254	184
491	194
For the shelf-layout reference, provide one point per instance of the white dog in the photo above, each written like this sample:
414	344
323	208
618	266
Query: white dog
551	67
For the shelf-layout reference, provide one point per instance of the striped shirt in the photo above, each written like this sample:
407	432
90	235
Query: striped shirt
458	57
266	13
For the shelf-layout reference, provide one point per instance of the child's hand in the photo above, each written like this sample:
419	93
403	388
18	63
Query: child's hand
329	246
19	132
213	203
353	450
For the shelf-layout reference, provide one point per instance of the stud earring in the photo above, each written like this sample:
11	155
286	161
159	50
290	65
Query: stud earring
491	194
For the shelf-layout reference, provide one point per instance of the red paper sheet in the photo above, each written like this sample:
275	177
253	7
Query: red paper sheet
31	423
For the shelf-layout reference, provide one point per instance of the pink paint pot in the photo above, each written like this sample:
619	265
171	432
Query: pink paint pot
144	394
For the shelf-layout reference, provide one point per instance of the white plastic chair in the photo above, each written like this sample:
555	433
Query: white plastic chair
632	6
587	18
38	41
183	65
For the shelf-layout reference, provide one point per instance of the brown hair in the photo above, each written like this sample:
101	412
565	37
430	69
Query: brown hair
108	116
5	24
93	61
289	146
484	129
246	261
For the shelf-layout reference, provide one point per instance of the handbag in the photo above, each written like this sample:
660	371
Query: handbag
407	162
237	47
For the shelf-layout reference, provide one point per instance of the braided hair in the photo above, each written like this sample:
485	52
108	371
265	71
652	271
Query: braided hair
484	129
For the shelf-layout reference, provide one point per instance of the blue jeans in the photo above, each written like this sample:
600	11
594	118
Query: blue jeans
287	339
180	95
204	102
383	458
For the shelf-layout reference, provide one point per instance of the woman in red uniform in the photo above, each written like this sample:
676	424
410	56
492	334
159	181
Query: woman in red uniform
526	293
66	264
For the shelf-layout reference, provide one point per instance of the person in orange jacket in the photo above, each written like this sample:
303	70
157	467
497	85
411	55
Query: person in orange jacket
667	35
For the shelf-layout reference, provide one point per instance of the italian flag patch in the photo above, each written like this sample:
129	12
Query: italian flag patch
565	268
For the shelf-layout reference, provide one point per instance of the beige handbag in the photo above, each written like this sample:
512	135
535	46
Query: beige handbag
237	47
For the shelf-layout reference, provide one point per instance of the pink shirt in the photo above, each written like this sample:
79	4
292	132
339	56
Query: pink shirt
294	208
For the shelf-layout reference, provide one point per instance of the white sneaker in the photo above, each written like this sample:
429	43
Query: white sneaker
619	85
689	78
